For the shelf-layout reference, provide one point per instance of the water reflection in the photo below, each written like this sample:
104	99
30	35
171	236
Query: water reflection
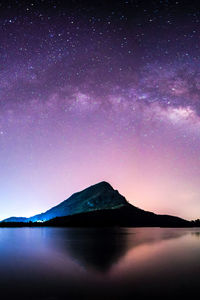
120	263
98	249
103	248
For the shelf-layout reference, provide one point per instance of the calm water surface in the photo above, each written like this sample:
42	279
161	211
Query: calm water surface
126	263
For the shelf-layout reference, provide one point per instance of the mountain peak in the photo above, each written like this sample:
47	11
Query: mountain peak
104	183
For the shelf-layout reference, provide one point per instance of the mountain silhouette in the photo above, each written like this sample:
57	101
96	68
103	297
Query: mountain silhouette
96	197
99	205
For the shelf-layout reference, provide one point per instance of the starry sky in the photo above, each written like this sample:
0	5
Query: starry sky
100	90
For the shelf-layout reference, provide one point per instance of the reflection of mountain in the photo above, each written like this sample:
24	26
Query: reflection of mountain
96	248
101	248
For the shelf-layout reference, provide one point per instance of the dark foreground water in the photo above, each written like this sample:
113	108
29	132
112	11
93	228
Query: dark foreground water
60	263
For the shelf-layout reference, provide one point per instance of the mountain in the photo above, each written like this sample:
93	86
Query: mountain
96	197
16	219
100	205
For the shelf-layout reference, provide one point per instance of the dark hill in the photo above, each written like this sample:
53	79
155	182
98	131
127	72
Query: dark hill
98	205
125	216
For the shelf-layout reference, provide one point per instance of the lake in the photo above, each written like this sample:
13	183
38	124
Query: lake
122	263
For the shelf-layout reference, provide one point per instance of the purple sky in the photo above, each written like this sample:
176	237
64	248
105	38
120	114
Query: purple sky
100	90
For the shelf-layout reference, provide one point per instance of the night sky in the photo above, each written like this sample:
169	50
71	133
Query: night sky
100	90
